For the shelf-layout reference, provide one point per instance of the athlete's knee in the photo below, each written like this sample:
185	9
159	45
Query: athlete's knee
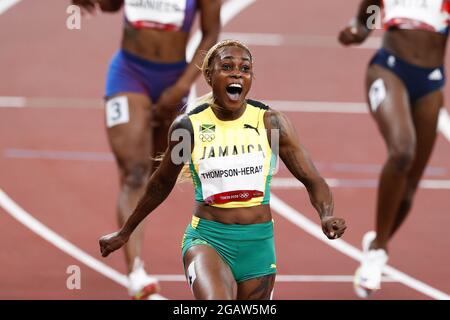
402	156
136	176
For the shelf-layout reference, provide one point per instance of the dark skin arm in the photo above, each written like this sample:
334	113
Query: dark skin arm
170	98
358	31
105	5
158	186
110	5
299	163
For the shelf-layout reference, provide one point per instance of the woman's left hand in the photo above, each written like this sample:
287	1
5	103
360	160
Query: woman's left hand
168	105
333	227
111	242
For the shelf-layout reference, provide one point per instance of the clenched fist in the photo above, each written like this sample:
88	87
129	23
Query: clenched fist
111	242
333	227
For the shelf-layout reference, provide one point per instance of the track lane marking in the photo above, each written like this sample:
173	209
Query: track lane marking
296	40
292	183
349	250
229	10
7	4
298	219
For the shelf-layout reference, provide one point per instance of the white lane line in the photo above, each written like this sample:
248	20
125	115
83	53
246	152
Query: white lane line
279	278
416	284
444	123
317	106
345	107
15	153
26	219
40	229
284	106
7	4
321	278
277	183
296	40
59	155
229	10
13	102
50	102
340	245
292	183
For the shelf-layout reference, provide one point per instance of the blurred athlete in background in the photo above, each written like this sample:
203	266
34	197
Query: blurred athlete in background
404	84
146	87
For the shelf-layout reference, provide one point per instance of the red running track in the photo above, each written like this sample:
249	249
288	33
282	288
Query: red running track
72	186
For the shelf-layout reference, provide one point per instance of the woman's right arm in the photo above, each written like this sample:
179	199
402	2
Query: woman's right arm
358	30
159	185
105	5
110	5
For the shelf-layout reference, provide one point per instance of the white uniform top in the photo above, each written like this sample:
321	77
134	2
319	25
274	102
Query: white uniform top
167	15
431	15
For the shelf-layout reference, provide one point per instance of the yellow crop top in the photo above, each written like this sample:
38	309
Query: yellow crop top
231	162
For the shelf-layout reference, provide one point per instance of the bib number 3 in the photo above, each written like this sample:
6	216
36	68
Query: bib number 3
117	111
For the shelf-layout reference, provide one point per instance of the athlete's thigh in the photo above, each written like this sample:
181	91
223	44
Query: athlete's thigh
208	275
128	128
257	288
389	105
425	114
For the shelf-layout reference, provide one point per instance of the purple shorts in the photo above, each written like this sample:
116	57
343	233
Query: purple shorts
130	73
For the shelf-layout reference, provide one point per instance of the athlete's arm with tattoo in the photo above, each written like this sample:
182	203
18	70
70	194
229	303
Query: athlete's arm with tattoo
158	186
359	30
299	163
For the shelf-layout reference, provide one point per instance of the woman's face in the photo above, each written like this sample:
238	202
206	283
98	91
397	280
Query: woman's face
231	77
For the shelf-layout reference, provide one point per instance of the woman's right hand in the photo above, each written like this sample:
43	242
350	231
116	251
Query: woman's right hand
111	242
355	33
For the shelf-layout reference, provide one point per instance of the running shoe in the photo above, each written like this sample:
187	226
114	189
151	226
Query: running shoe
368	276
141	285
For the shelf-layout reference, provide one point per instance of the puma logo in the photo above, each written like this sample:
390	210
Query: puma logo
248	126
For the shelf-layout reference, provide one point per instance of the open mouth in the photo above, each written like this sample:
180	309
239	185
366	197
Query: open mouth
234	91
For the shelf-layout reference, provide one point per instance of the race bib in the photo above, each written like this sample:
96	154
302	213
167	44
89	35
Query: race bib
117	111
432	13
232	178
164	12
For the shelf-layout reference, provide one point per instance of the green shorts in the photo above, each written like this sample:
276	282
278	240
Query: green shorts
249	250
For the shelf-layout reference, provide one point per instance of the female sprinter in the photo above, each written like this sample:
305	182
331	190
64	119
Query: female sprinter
228	248
404	88
147	83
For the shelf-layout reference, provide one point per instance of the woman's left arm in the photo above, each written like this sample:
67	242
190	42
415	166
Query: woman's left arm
210	27
299	163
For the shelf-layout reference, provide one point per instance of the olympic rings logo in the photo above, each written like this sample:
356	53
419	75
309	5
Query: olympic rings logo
244	195
206	137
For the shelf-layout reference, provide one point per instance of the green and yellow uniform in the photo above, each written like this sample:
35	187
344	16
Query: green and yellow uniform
231	166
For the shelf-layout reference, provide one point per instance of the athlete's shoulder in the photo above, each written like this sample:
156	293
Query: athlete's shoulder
198	109
258	104
274	119
182	122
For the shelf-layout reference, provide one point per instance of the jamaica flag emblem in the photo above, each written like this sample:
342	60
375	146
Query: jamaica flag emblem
207	132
